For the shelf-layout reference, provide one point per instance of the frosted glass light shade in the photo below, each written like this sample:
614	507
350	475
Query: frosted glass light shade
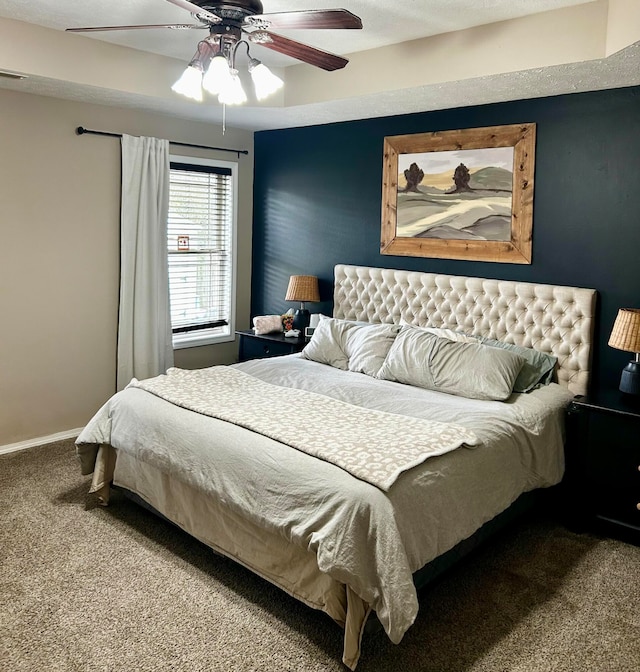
264	81
218	76
233	93
190	83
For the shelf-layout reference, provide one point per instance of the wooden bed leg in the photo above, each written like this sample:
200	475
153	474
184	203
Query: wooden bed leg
103	494
103	473
357	613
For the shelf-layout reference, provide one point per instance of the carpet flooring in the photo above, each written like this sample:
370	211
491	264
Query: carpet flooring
84	588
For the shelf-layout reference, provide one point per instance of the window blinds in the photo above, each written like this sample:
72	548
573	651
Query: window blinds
199	238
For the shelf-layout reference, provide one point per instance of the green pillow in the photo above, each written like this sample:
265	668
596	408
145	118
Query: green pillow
537	370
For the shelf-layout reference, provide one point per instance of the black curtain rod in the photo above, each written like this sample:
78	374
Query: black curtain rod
81	131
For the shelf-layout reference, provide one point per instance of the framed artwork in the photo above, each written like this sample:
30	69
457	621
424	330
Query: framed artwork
464	194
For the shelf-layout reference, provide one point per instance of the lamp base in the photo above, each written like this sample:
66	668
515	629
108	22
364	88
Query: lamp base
301	319
630	380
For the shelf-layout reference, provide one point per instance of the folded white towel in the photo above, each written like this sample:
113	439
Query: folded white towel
265	324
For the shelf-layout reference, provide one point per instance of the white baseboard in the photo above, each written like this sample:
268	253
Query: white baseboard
39	441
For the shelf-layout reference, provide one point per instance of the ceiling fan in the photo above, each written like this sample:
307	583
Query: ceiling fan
228	20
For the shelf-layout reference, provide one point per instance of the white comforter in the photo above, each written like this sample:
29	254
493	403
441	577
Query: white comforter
363	537
357	439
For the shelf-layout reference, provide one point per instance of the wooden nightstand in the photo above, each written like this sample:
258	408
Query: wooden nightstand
603	463
255	346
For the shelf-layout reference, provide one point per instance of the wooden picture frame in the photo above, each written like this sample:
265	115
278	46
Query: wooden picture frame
483	215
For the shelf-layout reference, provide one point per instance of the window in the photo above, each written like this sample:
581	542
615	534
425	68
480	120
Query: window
201	234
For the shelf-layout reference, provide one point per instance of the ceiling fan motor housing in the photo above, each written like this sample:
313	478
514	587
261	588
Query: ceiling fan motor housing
235	10
224	35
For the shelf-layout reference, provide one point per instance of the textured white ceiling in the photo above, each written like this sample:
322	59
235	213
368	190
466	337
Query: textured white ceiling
384	24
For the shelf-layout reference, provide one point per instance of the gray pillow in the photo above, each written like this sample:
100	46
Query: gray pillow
468	370
538	369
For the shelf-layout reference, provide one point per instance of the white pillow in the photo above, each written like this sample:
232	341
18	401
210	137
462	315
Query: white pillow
354	346
443	332
470	370
325	345
366	346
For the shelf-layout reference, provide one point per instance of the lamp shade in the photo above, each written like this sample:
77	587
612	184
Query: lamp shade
218	77
625	334
264	81
190	83
303	288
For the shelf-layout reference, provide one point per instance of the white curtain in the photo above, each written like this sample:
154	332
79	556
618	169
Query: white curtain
144	326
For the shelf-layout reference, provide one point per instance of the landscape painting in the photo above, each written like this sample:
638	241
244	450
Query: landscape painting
464	194
460	194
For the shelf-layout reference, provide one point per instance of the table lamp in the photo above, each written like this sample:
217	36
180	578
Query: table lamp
302	288
626	336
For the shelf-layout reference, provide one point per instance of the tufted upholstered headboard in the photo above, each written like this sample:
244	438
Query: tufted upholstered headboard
550	318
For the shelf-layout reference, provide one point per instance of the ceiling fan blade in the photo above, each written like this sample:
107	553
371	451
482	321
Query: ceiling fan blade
303	52
196	11
312	18
172	26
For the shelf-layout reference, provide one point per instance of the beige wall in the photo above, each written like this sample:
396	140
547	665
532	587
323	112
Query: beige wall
568	35
59	256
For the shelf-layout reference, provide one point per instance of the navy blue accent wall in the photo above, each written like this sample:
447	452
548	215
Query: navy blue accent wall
317	202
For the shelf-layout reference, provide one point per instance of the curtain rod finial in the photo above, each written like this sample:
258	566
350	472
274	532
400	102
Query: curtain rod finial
80	130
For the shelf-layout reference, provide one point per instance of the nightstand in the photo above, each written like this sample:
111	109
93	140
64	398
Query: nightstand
259	346
603	463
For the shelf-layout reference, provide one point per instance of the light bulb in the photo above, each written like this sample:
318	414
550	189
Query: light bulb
190	83
233	93
218	76
264	81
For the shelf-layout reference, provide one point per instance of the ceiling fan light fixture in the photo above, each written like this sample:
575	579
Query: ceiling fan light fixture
218	77
233	93
190	83
264	81
227	21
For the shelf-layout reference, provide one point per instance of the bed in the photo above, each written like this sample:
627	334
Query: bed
346	487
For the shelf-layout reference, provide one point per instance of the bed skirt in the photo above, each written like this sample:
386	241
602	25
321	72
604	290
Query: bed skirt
265	553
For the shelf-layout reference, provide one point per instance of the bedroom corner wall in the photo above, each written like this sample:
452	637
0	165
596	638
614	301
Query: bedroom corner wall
317	202
59	256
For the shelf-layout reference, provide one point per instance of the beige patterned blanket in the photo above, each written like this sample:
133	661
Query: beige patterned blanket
374	446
